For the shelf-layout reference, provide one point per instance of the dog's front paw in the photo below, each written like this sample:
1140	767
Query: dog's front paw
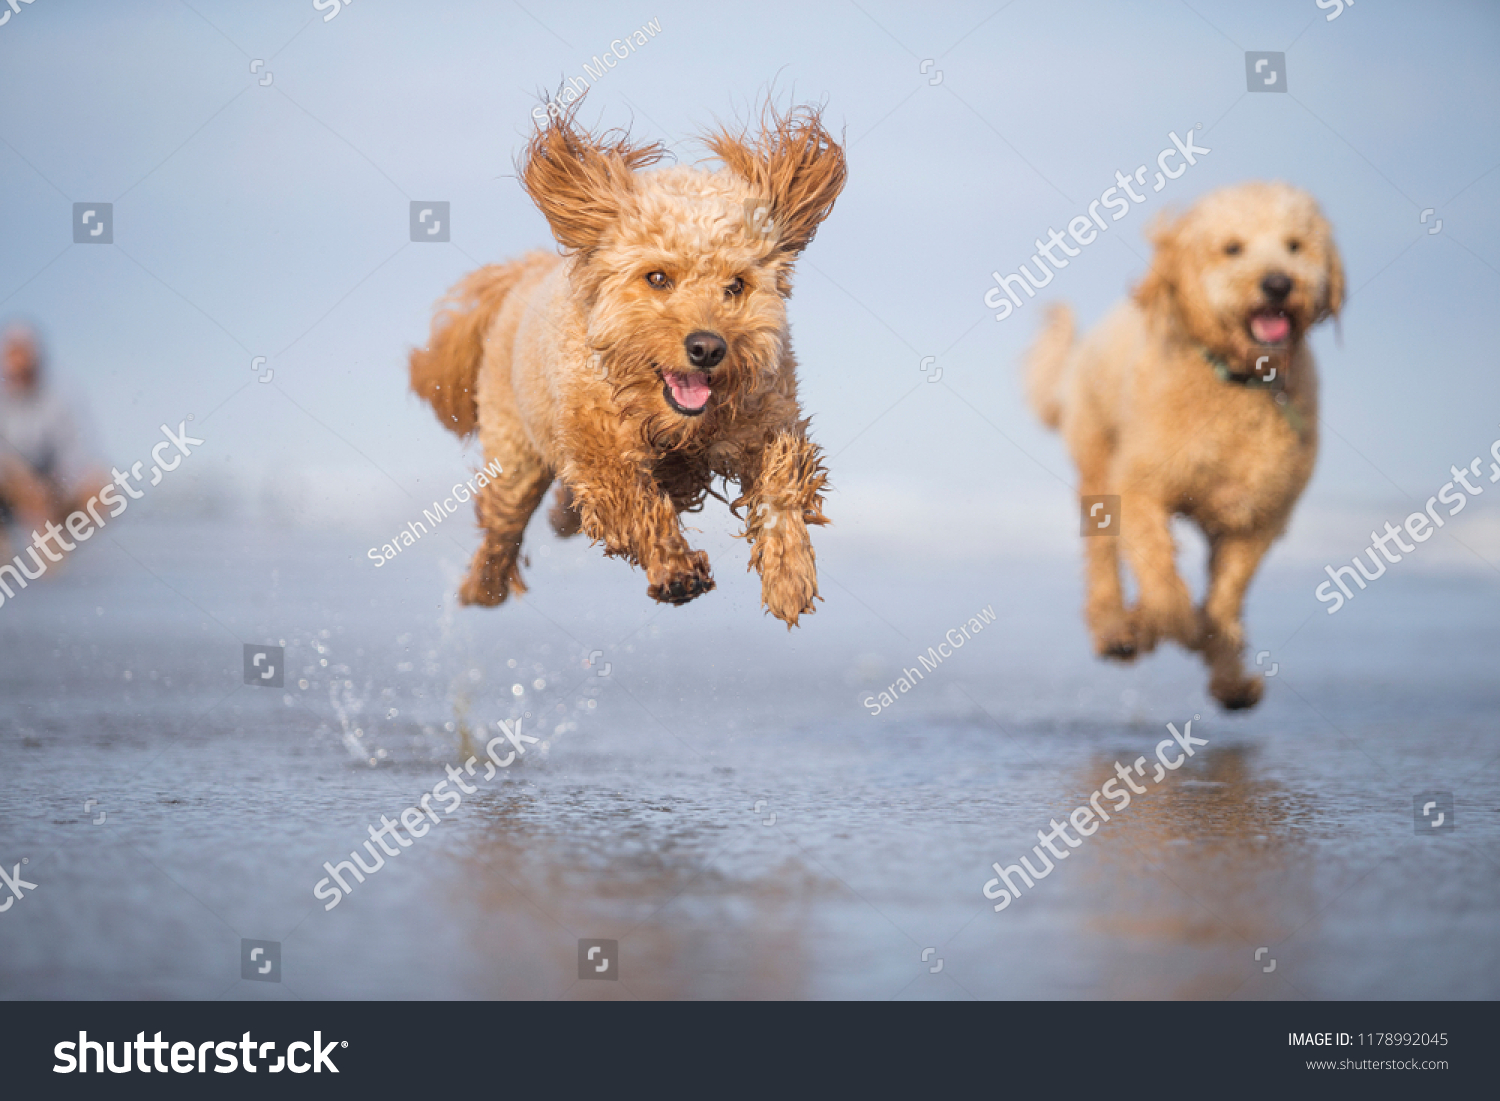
788	572
1235	691
681	580
788	596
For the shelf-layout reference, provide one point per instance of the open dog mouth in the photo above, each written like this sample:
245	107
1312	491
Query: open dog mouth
686	391
1270	326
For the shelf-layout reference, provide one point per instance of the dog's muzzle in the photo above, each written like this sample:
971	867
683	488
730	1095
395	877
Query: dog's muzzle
687	392
1271	324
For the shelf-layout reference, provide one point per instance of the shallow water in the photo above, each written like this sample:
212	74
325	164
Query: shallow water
711	794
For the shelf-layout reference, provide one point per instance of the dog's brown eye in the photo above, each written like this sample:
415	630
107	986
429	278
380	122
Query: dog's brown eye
1293	246
1232	249
659	280
735	288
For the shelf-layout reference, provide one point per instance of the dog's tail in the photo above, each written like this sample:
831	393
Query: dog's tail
1044	365
444	373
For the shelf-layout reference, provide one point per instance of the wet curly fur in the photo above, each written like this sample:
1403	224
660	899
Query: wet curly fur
1147	417
568	366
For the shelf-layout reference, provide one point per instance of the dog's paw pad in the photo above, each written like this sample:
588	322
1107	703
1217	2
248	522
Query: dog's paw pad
1118	641
681	589
1238	695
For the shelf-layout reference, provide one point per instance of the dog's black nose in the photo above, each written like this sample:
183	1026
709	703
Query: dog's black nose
1276	286
705	349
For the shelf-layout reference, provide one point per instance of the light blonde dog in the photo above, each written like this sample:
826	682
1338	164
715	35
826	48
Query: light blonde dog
1198	397
651	358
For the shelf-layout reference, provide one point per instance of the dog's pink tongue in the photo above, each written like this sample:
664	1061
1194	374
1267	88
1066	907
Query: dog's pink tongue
690	389
1270	328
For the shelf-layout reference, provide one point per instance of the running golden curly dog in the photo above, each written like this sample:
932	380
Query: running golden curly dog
650	358
1198	398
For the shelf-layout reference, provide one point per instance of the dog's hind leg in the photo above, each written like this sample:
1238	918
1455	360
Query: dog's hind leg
563	515
503	507
1233	560
782	497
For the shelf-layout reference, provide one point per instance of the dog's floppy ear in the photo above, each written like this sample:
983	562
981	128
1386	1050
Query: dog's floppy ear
1155	291
1333	300
579	181
795	163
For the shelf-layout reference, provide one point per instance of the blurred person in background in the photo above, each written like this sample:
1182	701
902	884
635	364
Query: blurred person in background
46	468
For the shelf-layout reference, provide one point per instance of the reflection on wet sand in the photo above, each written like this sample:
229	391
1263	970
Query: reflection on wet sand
1194	877
698	912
